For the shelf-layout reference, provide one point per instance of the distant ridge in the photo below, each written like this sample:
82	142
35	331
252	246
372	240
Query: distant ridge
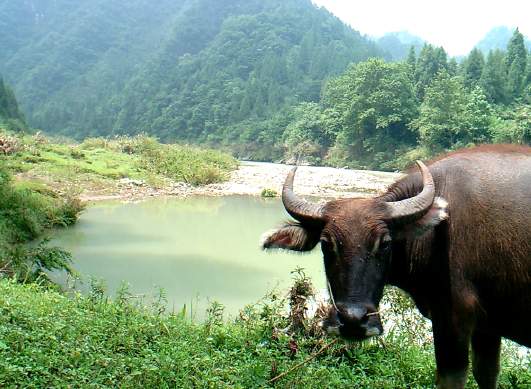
397	44
498	38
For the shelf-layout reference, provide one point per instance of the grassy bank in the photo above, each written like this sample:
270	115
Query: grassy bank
41	179
50	340
27	210
98	164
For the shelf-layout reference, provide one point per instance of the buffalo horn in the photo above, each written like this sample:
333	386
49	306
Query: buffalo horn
298	208
415	207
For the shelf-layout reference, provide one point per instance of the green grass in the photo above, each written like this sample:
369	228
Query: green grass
27	211
50	340
188	164
98	163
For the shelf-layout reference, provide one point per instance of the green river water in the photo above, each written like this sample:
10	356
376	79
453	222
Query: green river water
196	249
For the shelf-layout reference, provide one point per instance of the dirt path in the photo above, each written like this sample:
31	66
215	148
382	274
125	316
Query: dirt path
252	177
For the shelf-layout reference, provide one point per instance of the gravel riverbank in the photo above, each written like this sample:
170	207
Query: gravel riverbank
252	177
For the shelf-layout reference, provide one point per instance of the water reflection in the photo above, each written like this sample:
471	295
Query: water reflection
200	246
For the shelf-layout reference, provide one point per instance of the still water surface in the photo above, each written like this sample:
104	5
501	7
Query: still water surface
196	249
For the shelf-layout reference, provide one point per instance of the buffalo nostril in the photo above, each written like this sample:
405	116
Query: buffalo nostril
353	314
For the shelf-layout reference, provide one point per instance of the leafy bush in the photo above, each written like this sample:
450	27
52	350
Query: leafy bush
189	164
266	192
95	143
26	212
138	144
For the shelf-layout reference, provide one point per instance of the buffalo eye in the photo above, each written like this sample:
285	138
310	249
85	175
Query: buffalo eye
328	248
382	244
385	244
326	244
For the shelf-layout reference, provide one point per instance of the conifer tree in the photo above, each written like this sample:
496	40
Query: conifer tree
431	60
412	58
10	113
516	63
494	78
473	68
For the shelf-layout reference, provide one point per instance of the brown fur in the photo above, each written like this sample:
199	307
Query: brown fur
472	274
467	266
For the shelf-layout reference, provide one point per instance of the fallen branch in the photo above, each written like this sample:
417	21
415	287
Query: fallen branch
326	346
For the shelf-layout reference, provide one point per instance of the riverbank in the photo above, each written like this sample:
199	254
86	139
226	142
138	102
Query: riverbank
251	178
135	168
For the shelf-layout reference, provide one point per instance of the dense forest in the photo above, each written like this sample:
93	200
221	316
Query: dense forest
184	70
383	115
267	80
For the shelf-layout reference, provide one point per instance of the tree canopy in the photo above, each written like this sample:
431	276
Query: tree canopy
185	70
265	79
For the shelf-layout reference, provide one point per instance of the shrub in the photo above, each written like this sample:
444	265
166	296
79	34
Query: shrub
266	192
8	144
76	153
94	143
137	144
26	211
188	164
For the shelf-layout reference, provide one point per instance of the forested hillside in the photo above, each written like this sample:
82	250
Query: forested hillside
10	114
384	115
178	69
267	80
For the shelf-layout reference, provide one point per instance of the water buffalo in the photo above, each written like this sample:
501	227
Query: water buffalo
455	235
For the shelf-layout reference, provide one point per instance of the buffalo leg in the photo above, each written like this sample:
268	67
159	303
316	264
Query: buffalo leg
485	359
451	355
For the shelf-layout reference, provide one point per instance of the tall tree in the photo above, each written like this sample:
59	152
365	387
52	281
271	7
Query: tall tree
431	60
473	67
376	101
451	117
412	59
494	77
10	114
516	62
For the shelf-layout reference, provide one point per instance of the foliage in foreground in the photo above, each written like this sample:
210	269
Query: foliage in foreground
50	340
26	212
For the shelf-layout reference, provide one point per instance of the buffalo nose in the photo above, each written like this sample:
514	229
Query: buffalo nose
353	314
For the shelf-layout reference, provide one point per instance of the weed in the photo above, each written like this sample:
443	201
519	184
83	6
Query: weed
266	192
49	340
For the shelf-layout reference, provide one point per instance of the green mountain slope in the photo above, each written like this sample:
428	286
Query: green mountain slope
178	69
66	58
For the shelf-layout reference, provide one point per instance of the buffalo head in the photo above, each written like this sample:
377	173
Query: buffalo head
356	237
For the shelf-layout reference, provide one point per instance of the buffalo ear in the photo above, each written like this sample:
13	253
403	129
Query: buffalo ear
291	237
437	214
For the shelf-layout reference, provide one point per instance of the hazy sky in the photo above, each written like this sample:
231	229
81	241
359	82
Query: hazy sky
457	25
